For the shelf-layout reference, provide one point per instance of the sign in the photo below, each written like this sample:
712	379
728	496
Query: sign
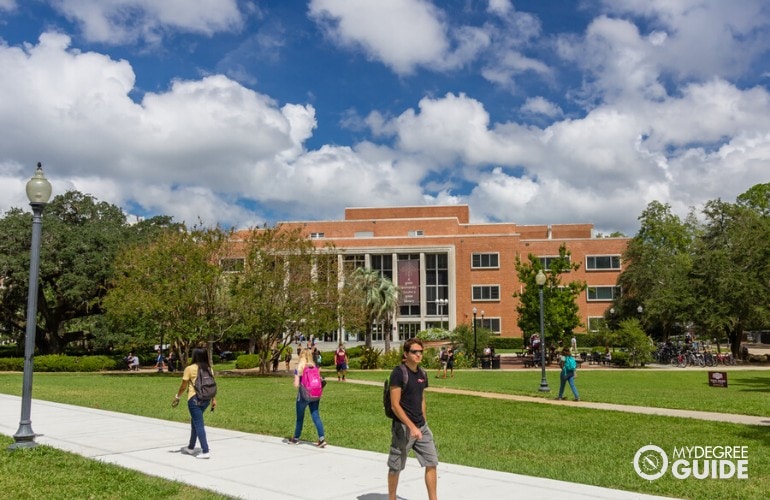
409	282
718	379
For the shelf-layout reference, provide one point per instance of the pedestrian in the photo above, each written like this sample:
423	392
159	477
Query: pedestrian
442	360
573	346
159	361
306	361
133	362
200	362
341	362
287	356
450	363
409	430
567	375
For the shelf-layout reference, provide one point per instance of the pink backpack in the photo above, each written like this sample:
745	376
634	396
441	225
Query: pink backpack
311	384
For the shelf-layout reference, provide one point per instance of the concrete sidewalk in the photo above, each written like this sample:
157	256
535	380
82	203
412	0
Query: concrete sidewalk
252	466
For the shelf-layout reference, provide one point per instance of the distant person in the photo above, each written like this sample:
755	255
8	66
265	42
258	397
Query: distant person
133	362
159	361
409	430
341	362
450	363
196	407
171	361
306	361
287	357
567	376
573	346
442	361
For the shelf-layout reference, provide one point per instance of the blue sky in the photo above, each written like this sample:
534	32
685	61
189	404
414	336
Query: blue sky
244	112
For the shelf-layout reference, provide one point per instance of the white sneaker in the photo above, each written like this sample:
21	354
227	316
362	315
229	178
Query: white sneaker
187	451
204	456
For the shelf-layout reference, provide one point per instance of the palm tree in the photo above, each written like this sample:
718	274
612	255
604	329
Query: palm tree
380	297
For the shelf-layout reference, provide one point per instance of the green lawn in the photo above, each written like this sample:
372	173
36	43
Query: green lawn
555	441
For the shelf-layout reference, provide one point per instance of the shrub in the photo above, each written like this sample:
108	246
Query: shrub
11	364
246	361
355	352
95	363
55	363
620	358
392	359
370	359
434	334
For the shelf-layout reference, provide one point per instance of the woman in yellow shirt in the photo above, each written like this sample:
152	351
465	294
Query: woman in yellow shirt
200	361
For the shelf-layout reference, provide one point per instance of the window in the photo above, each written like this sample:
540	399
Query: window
602	262
364	234
603	293
595	323
491	324
485	261
436	280
383	264
352	262
231	265
486	292
316	236
416	232
547	260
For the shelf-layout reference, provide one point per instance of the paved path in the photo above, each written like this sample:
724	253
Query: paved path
252	466
702	415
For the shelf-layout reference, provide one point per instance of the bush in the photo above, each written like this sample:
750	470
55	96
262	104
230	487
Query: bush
506	342
95	363
55	363
434	334
11	364
246	361
392	359
620	358
370	360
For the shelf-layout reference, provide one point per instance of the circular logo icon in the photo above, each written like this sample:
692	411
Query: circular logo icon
650	462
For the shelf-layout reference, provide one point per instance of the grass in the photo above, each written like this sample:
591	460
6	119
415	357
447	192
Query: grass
44	472
560	442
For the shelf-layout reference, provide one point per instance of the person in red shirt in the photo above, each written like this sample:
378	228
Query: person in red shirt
341	362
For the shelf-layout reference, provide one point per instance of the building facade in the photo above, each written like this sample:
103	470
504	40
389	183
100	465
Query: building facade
448	267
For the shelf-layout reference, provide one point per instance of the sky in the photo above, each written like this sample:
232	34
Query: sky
246	112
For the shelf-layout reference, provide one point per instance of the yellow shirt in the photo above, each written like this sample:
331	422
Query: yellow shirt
190	374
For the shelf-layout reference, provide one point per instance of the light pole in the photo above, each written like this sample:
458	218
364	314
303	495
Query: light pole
540	280
38	192
475	347
445	304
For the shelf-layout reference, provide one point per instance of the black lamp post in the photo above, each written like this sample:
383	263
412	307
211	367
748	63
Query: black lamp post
540	280
475	347
38	192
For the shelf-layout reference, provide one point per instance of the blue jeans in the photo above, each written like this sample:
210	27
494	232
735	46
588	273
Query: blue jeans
197	431
563	380
301	405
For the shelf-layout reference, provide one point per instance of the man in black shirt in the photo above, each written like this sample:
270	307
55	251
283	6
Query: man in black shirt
409	430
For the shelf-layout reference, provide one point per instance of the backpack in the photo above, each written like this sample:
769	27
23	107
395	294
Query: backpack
570	364
205	385
386	391
311	384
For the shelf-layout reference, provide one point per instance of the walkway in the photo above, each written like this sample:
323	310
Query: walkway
252	466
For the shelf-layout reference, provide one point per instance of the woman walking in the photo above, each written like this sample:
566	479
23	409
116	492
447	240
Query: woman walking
200	362
567	375
306	362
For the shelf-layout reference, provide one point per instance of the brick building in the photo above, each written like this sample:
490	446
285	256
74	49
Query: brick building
446	266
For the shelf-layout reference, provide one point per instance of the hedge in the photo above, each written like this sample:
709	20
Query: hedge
60	363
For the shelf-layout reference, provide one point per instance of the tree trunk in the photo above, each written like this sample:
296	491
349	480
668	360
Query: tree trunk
386	333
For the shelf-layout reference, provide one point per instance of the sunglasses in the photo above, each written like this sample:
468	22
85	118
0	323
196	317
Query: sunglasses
412	351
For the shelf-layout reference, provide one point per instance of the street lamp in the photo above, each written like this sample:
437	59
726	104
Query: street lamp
445	304
38	192
475	347
540	280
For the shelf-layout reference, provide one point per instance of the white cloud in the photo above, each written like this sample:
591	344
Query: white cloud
7	5
541	106
402	34
122	21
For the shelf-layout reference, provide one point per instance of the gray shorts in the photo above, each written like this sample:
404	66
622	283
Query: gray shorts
401	442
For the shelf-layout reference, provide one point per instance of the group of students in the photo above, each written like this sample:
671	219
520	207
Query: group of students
409	427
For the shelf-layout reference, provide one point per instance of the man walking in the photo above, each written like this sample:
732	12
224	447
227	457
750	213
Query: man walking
409	430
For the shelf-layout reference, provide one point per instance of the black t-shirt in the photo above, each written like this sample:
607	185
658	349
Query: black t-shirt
412	393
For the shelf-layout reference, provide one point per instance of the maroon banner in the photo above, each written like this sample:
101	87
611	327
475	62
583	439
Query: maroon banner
409	282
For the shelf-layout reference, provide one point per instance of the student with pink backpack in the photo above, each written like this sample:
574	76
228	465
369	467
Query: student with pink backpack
309	384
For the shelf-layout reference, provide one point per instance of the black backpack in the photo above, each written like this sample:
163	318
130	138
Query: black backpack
386	391
205	385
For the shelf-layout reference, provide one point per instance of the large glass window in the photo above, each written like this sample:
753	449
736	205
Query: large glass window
436	281
547	260
353	262
486	292
485	261
408	330
491	324
602	262
383	264
603	293
595	323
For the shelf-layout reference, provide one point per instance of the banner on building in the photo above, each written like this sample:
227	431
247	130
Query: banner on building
409	282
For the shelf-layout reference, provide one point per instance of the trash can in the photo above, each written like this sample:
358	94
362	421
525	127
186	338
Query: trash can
485	363
496	362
